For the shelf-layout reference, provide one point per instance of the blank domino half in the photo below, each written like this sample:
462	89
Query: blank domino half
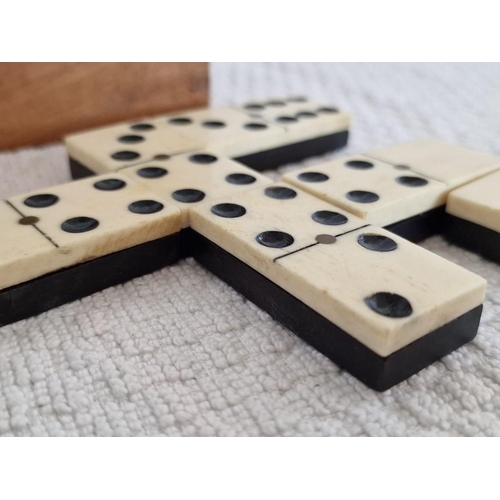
374	303
473	216
402	187
253	141
65	242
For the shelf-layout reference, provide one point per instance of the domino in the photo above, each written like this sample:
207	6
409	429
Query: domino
372	190
444	162
228	132
253	141
439	160
271	109
188	179
309	250
315	129
374	303
225	131
108	149
473	216
66	242
403	188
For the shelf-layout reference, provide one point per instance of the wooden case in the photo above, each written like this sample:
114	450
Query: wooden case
42	102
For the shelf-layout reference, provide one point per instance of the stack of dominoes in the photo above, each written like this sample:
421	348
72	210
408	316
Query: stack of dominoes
329	251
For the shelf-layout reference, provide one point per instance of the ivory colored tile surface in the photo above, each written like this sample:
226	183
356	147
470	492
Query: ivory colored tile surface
107	149
342	277
109	224
22	247
301	118
253	377
269	109
185	180
478	202
370	189
336	279
277	207
227	131
439	160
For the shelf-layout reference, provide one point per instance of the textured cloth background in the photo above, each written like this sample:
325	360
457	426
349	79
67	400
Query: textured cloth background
178	352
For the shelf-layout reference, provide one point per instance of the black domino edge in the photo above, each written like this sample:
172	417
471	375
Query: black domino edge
78	170
294	153
54	289
421	226
376	372
264	160
72	283
472	236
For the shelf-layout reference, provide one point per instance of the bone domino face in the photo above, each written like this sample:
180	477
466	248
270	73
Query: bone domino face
337	278
108	149
64	225
227	131
186	180
454	165
371	189
299	116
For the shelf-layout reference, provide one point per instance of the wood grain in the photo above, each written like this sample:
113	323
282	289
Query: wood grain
42	102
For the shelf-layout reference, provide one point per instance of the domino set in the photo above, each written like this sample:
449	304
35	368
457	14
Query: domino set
329	251
261	142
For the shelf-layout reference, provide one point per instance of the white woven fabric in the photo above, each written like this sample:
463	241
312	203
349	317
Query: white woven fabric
178	352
